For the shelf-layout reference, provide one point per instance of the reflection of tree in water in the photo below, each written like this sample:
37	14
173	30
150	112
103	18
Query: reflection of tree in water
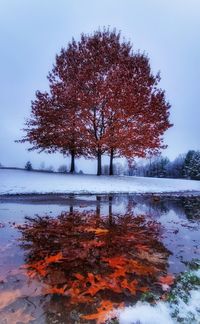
158	205
191	207
89	263
186	206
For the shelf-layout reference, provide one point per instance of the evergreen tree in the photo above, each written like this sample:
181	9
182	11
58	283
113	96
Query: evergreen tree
187	164
194	166
28	166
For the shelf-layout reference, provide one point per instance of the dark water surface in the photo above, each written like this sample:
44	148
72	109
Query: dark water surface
71	260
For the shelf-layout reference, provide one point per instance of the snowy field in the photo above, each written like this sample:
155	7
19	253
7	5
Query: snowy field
21	182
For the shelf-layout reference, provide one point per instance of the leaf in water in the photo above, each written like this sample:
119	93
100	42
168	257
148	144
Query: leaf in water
54	290
40	266
104	312
166	281
115	262
79	276
131	286
143	289
131	266
53	258
97	231
34	268
120	272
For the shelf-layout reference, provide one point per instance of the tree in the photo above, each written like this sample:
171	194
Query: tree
126	112
187	163
42	166
51	127
28	166
175	168
195	166
103	98
63	169
192	165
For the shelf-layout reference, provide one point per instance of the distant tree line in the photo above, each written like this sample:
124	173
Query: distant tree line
184	166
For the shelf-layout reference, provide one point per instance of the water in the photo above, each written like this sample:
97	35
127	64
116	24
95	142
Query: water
75	259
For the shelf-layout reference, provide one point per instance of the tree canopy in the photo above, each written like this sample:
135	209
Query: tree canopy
103	98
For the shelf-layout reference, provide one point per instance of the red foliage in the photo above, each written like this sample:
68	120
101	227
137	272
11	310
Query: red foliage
103	98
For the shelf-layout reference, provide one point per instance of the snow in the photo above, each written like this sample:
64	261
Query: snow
144	313
163	312
22	182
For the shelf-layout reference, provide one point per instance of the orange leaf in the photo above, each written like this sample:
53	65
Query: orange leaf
167	280
102	312
105	311
54	290
97	231
54	258
79	276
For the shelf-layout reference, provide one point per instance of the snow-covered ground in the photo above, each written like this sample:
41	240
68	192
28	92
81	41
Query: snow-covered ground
21	182
187	310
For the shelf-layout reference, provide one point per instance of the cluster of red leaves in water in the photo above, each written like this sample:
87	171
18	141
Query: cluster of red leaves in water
94	261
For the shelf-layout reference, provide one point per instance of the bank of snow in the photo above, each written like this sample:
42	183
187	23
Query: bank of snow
144	313
181	310
22	182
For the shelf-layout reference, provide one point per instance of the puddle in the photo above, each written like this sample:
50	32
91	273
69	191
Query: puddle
77	260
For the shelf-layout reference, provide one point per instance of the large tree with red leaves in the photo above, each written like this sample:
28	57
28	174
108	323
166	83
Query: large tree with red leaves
103	99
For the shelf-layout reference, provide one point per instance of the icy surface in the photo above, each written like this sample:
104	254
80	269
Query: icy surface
17	181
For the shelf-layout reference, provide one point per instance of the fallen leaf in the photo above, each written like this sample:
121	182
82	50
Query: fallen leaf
103	311
167	280
97	231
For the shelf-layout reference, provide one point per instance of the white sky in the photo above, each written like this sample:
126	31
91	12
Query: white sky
32	32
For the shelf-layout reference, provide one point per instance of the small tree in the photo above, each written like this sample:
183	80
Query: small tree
28	166
63	169
176	167
42	166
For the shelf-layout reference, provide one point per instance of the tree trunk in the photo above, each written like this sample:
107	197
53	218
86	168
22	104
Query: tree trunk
99	162
111	162
72	167
98	206
71	209
110	211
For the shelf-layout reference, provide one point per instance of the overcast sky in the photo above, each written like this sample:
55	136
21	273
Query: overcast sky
33	31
